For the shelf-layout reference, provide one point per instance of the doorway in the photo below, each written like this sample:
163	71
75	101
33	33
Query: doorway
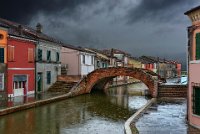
39	82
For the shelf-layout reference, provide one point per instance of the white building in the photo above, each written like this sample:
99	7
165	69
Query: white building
78	61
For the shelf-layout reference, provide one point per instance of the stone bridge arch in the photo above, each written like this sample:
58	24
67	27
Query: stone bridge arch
101	76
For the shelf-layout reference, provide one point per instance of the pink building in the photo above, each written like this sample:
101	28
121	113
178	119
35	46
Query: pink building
194	67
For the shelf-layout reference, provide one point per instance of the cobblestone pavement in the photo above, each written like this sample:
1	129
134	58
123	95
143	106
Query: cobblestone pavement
20	100
165	118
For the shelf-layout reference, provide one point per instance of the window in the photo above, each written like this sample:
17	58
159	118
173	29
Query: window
48	56
198	46
39	54
1	55
1	82
48	77
1	36
11	52
92	60
57	57
18	84
83	59
196	100
30	55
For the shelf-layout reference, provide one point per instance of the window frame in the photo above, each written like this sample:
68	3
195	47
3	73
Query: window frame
48	77
48	56
197	51
30	55
3	55
3	86
57	57
83	59
11	56
194	101
39	54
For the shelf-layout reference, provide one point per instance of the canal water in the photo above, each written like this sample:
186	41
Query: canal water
94	113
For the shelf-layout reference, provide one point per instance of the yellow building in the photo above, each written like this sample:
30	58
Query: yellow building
134	62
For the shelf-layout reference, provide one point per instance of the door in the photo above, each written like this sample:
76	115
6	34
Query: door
39	82
1	55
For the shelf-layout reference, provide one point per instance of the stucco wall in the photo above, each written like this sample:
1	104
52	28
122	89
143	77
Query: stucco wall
44	66
88	66
71	58
194	77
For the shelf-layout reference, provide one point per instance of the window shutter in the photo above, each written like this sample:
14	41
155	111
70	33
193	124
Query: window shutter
11	50
39	54
30	55
197	46
1	55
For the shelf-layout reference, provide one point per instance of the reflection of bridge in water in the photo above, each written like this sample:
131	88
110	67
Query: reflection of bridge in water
99	78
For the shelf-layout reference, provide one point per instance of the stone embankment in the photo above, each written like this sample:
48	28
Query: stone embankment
129	126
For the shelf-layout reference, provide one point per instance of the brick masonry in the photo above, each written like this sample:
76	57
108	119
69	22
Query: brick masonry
100	77
172	91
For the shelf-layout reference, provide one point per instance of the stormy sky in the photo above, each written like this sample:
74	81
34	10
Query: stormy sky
140	27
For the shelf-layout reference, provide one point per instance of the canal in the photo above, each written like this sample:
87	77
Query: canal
92	113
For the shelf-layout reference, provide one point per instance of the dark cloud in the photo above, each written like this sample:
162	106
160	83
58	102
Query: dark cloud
23	10
140	27
158	10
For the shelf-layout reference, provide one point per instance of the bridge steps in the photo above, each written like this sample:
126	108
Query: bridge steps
61	86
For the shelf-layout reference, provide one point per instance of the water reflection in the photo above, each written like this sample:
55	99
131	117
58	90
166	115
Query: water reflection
92	113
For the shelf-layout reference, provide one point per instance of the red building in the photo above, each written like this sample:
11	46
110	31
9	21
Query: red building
20	66
178	68
19	60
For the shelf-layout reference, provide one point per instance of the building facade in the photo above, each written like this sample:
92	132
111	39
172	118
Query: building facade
19	62
48	65
134	62
100	59
79	62
3	62
20	66
194	67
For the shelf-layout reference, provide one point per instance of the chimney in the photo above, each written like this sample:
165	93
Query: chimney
158	59
39	28
20	29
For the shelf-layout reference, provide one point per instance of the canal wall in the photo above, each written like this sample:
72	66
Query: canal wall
172	91
129	126
34	104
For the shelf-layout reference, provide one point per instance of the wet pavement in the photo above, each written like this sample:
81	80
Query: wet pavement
165	117
20	100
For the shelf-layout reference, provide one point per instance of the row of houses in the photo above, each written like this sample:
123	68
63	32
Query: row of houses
31	61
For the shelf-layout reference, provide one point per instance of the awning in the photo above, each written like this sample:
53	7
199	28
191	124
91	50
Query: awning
20	78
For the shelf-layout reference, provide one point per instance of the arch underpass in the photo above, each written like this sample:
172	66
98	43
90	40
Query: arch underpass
100	77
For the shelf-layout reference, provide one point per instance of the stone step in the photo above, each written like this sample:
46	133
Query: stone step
61	86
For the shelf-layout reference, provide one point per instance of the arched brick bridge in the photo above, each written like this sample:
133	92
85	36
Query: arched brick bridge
100	77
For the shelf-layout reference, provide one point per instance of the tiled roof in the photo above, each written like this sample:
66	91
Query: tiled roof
76	48
191	10
27	32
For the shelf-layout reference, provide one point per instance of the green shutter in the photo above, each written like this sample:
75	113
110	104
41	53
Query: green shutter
196	100
197	46
48	77
39	54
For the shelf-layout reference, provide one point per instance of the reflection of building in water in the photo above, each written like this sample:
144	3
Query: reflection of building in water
120	96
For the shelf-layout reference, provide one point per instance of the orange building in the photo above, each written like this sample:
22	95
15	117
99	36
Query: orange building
3	61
